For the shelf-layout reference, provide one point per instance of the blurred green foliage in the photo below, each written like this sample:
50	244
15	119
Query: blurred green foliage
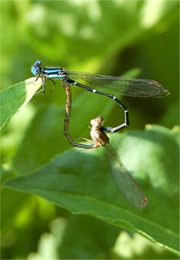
107	37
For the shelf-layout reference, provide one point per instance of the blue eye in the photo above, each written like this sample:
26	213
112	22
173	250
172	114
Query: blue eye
35	70
37	63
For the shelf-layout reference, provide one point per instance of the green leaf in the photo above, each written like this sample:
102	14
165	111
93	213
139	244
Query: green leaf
80	181
15	97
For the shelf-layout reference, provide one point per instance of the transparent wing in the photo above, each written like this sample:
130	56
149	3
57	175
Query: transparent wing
123	86
125	183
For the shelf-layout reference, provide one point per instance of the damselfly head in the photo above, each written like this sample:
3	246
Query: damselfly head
96	123
36	68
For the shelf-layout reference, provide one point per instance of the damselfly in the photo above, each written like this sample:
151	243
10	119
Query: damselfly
120	174
91	82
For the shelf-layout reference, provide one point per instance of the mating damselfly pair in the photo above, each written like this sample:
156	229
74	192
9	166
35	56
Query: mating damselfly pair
93	82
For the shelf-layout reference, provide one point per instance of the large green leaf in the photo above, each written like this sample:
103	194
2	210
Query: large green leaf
81	182
15	97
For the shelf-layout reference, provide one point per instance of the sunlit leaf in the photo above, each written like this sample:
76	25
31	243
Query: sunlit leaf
16	97
80	181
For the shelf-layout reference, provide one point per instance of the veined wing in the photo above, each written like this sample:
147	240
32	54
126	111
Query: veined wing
125	182
122	86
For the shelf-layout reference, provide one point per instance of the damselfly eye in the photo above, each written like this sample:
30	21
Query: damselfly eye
37	63
35	70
